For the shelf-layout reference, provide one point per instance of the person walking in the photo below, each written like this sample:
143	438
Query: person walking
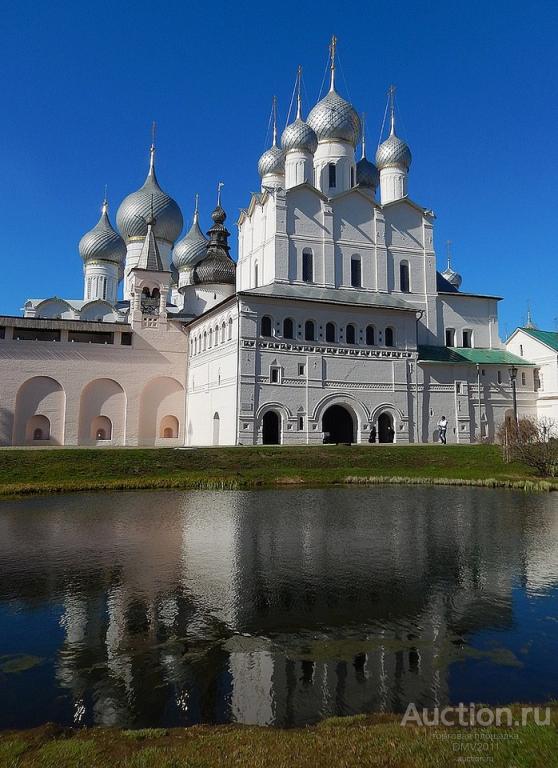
443	428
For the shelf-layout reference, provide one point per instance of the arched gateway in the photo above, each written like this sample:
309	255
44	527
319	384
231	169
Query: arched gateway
386	432
338	425
271	428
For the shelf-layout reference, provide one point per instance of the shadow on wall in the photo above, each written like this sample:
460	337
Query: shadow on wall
6	426
39	412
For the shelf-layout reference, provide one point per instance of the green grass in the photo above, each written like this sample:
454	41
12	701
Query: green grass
58	470
366	741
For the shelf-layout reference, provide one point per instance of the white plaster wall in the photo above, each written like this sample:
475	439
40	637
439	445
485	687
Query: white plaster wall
474	313
212	378
546	359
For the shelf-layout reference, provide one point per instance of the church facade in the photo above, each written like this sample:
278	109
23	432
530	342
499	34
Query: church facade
333	324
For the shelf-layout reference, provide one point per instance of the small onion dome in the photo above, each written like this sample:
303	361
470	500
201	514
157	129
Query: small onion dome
188	251
453	278
272	161
333	118
299	135
102	242
393	152
217	266
367	174
146	201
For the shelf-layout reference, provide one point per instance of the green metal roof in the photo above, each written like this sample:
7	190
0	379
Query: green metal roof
550	338
465	356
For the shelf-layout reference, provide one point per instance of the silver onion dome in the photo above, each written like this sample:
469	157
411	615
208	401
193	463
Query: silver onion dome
272	161
299	135
193	246
393	152
333	118
102	242
149	200
453	277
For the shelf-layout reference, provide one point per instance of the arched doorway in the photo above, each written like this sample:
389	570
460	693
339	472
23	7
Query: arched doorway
338	425
271	428
386	432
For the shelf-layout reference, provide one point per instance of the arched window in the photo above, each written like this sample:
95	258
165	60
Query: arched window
210	338
101	428
288	328
388	337
308	265
370	336
169	427
330	332
216	335
223	332
256	275
404	282
38	428
332	175
350	334
309	330
155	293
146	293
230	329
204	340
356	271
265	327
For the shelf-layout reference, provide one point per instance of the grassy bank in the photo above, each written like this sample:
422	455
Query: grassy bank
362	741
59	470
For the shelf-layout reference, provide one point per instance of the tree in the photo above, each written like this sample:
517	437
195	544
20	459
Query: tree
531	441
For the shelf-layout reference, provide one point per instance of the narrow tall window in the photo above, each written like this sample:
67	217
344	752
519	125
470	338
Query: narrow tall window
307	266
356	272
523	379
499	377
352	177
288	328
309	330
370	341
467	339
350	334
266	326
256	275
389	337
450	337
330	333
332	175
404	281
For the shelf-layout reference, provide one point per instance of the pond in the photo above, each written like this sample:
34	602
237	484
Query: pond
277	607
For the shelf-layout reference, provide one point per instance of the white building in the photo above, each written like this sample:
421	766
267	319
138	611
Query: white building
333	324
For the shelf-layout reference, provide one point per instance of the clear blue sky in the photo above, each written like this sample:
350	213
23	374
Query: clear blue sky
477	94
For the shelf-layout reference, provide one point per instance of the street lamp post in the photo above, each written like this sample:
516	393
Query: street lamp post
479	402
513	377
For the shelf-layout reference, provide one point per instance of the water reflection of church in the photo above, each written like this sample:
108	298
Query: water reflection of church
280	614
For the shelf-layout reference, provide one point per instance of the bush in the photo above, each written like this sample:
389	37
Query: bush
532	442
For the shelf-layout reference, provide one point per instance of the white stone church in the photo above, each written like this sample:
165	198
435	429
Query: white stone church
333	324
